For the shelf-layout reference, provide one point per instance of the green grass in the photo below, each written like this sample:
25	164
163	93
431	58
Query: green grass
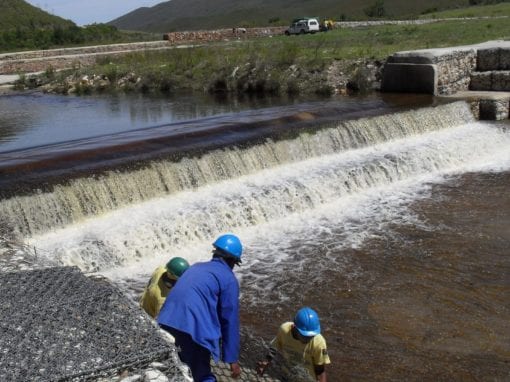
502	9
283	64
378	42
382	41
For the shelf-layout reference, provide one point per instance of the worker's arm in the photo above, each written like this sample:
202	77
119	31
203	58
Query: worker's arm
274	346
263	365
229	323
320	358
235	369
320	373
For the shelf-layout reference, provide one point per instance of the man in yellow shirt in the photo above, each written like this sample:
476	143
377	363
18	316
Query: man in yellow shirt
300	342
162	280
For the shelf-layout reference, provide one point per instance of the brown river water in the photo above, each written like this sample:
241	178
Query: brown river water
389	216
426	302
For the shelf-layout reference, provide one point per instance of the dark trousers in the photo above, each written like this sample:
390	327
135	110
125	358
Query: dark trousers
192	354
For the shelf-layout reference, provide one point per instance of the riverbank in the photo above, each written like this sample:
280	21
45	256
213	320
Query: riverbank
251	78
213	68
338	61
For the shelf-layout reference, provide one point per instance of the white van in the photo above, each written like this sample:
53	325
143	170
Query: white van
302	26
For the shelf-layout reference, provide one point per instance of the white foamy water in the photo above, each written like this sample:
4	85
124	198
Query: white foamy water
72	202
361	191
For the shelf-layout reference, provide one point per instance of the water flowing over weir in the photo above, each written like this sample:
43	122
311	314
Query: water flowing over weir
82	198
104	222
394	227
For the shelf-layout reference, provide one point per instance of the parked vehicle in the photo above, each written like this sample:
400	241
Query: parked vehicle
303	25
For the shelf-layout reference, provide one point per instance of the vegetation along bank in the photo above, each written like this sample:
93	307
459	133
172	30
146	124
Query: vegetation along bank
340	60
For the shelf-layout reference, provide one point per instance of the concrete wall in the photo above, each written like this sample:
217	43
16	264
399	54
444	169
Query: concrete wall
483	69
454	68
410	78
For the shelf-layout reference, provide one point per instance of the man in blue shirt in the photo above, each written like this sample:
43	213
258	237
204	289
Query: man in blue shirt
203	307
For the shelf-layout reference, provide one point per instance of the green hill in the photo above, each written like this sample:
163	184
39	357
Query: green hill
209	14
23	26
18	14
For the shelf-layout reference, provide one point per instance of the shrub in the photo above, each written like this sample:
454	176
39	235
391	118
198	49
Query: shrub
19	84
376	10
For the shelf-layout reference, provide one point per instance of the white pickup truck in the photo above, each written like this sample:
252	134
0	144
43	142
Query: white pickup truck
302	26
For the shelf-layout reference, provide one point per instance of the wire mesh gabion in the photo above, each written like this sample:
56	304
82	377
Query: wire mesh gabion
56	324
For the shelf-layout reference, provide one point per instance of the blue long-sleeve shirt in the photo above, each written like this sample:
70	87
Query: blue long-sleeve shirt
205	304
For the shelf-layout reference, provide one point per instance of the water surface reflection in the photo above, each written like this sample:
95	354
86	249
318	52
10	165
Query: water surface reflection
35	119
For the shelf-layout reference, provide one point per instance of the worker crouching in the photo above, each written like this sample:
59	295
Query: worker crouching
300	343
161	282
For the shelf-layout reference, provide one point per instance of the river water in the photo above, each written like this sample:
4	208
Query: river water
389	216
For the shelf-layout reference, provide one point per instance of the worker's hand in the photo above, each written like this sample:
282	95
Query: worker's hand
235	369
261	367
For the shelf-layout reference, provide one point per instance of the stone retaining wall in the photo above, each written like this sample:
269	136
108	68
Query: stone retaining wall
494	80
367	23
222	34
493	59
494	109
40	60
454	71
481	68
453	68
82	50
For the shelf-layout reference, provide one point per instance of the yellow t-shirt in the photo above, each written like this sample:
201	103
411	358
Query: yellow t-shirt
155	293
314	353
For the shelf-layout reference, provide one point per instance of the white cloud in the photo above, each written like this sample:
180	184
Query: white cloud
91	11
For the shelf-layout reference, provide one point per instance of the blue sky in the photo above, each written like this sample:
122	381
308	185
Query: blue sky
84	12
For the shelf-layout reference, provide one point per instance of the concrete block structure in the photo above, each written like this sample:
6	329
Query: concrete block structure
501	80
493	59
453	67
448	71
481	81
494	110
410	78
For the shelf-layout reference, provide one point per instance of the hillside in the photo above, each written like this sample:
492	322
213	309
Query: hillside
209	14
25	27
18	14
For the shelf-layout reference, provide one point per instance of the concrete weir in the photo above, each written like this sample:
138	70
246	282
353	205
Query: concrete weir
479	73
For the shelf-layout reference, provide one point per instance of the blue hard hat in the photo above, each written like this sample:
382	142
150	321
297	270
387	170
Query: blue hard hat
230	244
307	322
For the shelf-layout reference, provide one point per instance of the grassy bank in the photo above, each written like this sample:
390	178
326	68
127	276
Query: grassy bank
277	65
495	10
